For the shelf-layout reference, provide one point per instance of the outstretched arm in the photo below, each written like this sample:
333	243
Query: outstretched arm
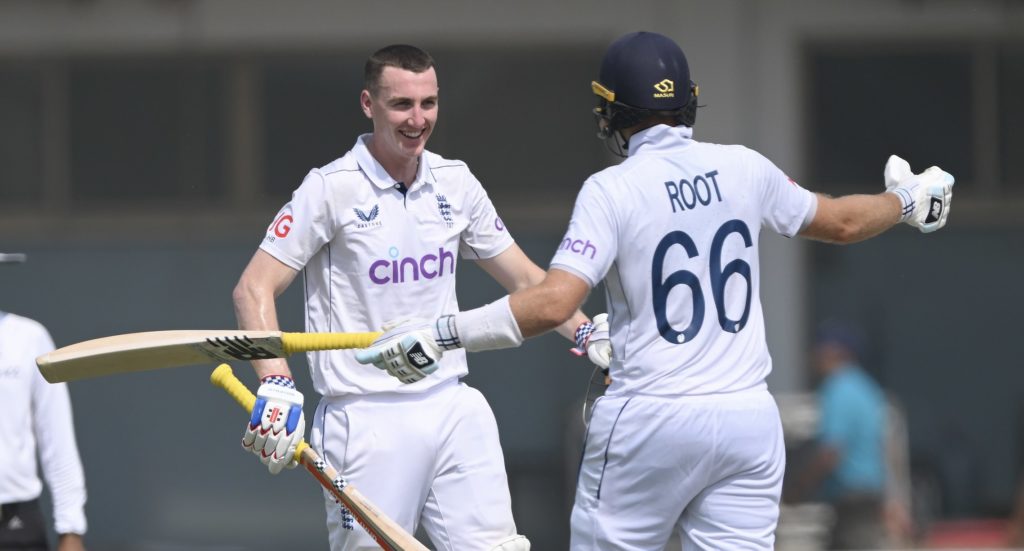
852	218
514	271
548	304
921	200
410	352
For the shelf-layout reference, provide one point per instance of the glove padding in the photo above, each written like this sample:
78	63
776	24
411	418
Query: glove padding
925	197
407	350
593	338
277	424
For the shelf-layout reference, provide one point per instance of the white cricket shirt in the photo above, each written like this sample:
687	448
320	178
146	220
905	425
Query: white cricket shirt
673	231
37	417
370	254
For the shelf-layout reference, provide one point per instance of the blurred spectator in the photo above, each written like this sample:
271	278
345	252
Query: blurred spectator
848	464
37	418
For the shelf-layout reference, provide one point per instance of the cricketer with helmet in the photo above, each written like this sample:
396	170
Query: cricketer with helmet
687	438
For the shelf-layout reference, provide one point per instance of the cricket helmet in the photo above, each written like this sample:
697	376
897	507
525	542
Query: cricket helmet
642	74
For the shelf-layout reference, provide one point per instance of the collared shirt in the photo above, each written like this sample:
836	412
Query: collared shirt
37	418
852	421
673	230
370	253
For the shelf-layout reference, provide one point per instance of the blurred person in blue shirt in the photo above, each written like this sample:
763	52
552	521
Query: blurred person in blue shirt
847	467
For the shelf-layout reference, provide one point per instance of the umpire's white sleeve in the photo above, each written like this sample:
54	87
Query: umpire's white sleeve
58	451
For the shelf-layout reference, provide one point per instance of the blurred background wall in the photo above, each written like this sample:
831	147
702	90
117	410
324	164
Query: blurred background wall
146	145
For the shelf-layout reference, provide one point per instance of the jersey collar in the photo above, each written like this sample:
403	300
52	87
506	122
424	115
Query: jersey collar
380	177
659	137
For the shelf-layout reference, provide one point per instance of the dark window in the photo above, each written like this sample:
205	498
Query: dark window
146	129
20	135
312	116
1011	117
866	104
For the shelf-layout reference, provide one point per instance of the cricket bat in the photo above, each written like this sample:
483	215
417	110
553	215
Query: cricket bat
385	531
158	349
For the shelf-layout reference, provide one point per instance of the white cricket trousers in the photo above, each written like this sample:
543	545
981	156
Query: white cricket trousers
709	467
431	457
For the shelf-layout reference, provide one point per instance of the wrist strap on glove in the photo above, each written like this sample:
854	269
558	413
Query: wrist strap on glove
582	335
279	380
907	203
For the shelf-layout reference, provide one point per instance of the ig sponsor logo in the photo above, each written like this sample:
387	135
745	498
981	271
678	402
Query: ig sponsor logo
406	269
281	226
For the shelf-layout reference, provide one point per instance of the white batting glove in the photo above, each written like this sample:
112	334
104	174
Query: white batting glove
592	338
925	197
277	424
407	350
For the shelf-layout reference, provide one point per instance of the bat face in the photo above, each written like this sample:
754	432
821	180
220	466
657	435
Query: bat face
156	349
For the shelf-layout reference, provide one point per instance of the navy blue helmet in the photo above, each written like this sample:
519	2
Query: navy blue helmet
643	74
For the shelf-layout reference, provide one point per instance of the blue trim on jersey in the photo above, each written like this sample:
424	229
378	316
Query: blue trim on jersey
608	446
330	287
625	301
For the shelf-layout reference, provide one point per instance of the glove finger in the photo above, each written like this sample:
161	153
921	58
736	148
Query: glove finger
896	169
600	318
248	440
947	178
274	465
370	355
295	459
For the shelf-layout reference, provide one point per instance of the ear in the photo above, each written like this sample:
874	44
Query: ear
366	102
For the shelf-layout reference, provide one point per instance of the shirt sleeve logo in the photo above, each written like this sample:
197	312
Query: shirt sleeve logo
282	225
578	246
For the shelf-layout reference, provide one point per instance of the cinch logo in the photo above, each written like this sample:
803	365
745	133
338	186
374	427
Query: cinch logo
665	89
578	246
368	219
401	270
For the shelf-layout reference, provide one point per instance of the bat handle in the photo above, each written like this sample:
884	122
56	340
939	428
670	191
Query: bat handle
308	342
225	378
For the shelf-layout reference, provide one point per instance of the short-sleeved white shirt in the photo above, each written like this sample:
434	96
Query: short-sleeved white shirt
37	423
370	254
673	232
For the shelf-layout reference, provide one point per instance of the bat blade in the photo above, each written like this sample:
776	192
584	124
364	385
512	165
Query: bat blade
134	352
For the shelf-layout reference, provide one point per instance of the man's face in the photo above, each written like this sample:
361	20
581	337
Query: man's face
404	112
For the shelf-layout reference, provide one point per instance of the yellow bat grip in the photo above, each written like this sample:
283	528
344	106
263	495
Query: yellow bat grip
307	342
225	378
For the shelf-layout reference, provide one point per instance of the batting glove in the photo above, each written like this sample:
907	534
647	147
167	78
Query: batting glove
407	350
277	424
593	339
925	197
